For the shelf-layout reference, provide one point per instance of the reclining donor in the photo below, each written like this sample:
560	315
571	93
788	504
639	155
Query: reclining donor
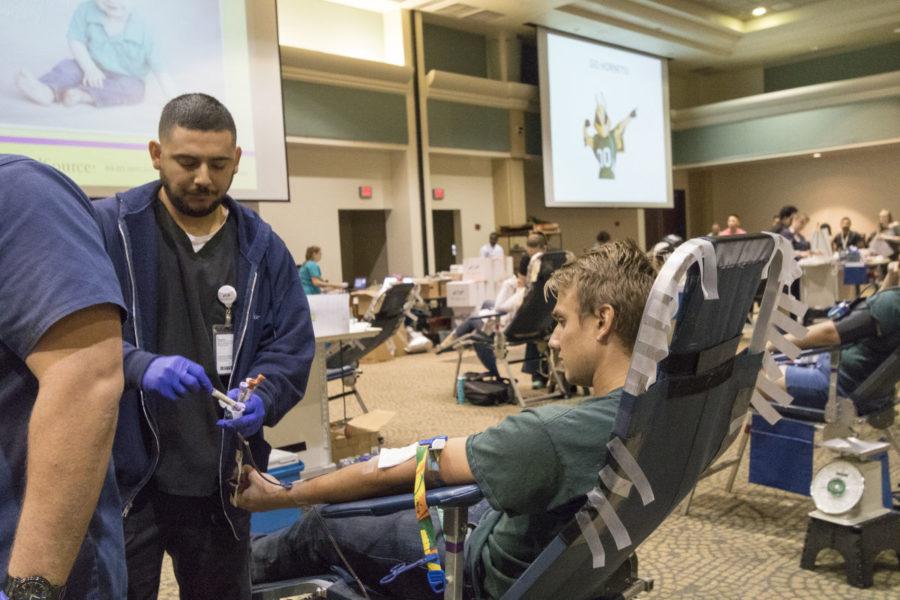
534	468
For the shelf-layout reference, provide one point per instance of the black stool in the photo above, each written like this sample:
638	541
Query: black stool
858	544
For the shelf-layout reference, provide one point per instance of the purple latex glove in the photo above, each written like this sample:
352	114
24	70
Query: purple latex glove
3	596
252	419
173	377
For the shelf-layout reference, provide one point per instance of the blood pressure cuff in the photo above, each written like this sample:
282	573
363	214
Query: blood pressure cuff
858	325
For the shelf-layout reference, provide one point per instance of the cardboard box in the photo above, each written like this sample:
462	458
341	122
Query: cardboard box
390	348
429	288
465	293
359	435
361	300
477	269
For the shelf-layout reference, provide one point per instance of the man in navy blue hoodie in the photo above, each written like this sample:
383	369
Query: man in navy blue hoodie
213	298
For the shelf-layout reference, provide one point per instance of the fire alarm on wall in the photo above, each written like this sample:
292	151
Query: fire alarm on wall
437	193
365	192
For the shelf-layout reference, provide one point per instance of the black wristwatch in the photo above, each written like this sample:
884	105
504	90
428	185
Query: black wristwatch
32	588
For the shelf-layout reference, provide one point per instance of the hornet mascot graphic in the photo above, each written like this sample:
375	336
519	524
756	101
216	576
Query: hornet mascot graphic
606	141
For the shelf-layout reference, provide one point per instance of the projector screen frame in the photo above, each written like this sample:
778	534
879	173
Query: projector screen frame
106	157
546	125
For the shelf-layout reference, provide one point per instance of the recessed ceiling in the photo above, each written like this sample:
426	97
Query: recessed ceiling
742	9
708	34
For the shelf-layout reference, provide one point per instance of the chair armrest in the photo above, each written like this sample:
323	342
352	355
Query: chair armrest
779	357
444	497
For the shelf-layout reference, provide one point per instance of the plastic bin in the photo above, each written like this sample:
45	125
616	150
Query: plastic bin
266	522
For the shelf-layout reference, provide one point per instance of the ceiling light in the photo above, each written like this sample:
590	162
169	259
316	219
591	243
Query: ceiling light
817	155
759	11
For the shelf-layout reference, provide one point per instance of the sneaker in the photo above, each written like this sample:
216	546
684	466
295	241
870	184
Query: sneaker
537	384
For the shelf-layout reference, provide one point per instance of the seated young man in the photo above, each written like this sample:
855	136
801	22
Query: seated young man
872	331
534	468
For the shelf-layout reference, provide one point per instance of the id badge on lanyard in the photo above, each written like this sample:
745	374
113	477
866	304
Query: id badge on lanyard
223	335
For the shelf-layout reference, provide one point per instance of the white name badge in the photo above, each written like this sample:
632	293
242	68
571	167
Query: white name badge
224	347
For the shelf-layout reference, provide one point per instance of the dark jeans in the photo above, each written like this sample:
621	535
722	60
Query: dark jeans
534	363
209	562
116	89
372	546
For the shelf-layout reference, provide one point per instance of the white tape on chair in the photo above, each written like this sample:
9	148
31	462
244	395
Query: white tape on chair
607	513
644	365
617	485
704	252
631	469
770	366
791	304
772	390
590	535
764	408
789	325
786	347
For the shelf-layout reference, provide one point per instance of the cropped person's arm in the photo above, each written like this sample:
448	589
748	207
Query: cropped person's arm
358	481
93	76
820	335
78	365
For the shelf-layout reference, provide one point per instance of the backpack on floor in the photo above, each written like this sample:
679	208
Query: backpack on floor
482	389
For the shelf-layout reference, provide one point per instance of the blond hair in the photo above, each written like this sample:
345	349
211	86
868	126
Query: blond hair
616	273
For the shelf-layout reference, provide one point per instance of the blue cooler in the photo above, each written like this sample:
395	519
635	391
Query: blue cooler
781	455
267	522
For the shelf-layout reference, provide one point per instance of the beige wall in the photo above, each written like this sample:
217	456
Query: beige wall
579	226
855	183
323	181
469	187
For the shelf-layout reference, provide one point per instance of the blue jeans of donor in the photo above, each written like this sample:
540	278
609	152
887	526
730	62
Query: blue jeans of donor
372	546
808	384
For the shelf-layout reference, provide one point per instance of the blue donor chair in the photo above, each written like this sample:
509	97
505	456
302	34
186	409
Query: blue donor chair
687	392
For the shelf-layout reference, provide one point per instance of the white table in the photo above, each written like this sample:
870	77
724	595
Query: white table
308	422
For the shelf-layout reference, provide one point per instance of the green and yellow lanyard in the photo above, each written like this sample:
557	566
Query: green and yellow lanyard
427	459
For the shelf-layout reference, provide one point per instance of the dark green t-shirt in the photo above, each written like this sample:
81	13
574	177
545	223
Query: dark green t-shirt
530	468
860	359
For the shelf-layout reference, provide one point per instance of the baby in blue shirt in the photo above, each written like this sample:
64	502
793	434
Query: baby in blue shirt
113	52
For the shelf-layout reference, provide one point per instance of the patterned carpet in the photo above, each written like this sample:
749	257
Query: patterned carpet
741	545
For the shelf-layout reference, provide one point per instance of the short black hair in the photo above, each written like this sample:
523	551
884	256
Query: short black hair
200	112
787	211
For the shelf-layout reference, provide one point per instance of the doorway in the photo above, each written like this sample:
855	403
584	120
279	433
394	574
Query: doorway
447	239
660	222
363	244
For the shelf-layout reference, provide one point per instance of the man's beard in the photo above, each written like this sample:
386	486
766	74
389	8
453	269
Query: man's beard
184	208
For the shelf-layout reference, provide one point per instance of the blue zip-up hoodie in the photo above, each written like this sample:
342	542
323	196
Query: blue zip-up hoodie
276	340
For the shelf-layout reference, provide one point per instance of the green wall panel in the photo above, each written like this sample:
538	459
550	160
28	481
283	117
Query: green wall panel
533	139
454	125
795	132
455	51
859	63
342	113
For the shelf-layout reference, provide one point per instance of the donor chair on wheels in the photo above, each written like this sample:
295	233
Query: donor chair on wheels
687	392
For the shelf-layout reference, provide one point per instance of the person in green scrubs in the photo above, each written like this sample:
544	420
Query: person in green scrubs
311	274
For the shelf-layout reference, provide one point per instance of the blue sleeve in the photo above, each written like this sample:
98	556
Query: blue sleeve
286	356
78	24
53	261
315	270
